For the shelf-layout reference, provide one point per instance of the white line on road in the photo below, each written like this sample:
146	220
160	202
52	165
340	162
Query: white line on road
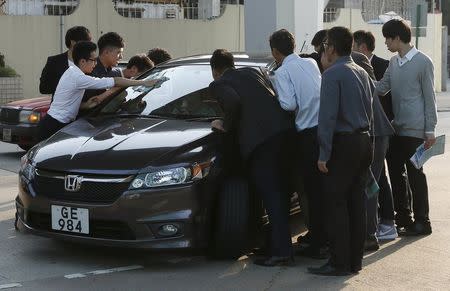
101	272
73	276
12	285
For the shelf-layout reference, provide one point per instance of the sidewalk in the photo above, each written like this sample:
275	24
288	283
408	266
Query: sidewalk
443	99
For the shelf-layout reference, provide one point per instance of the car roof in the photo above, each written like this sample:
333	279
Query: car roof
240	59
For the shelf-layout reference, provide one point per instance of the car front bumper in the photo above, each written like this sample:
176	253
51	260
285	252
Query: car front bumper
133	220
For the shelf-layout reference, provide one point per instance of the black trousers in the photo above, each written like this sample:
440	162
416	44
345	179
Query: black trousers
385	196
267	177
402	148
381	144
307	153
345	199
48	126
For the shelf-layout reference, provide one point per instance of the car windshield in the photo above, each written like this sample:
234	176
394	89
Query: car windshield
182	93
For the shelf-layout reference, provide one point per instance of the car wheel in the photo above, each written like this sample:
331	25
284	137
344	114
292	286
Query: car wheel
25	147
233	220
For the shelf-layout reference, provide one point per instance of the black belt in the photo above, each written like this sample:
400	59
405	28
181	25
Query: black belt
359	131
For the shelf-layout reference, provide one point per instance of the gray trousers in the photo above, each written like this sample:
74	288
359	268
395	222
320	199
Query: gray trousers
379	153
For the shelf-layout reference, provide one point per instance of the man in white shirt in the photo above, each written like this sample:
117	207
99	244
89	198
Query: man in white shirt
297	82
70	90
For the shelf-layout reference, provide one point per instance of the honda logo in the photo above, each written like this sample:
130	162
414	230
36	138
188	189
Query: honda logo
72	183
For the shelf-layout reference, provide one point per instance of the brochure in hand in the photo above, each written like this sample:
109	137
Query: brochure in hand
422	155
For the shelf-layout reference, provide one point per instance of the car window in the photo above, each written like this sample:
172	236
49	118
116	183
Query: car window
182	93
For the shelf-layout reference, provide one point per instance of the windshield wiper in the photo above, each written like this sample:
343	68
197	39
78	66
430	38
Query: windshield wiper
202	118
140	115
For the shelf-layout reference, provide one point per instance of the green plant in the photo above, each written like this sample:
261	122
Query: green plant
2	61
7	72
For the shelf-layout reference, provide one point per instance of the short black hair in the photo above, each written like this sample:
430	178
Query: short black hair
158	55
77	33
82	51
141	62
365	37
319	37
110	39
341	38
283	41
221	59
397	27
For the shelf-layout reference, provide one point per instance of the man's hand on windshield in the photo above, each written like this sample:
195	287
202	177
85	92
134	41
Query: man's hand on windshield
91	103
151	82
217	125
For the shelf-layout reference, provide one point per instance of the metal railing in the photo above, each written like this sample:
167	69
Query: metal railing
38	7
406	9
331	14
371	10
181	9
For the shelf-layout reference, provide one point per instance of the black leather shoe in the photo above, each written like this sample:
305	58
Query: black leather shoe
328	270
371	244
313	252
416	229
274	261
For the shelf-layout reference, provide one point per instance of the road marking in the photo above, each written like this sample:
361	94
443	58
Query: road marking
73	276
102	272
12	285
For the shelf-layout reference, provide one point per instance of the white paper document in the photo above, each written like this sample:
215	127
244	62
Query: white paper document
422	155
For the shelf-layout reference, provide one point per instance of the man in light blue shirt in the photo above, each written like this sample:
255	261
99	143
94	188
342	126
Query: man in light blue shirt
297	82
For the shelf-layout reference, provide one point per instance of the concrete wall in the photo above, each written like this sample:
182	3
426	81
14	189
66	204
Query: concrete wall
430	45
303	18
27	41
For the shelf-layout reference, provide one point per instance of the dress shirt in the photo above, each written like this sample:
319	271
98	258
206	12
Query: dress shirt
297	82
100	71
409	55
345	102
69	93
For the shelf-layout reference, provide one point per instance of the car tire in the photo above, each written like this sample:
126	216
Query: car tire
233	220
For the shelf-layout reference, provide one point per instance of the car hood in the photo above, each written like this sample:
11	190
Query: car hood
118	145
32	103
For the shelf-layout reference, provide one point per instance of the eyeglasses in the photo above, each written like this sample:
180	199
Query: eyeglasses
93	60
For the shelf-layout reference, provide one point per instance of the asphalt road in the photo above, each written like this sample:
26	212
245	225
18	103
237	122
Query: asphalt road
28	262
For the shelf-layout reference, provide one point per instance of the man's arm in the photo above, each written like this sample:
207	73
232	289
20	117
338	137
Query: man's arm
229	101
329	106
427	79
285	90
95	100
47	84
384	85
88	82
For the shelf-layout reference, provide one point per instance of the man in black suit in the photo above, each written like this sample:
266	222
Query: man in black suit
253	115
58	64
364	42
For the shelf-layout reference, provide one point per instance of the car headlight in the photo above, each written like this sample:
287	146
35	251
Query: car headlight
26	168
173	176
28	116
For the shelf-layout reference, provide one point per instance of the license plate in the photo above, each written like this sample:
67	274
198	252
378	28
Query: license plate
70	219
7	134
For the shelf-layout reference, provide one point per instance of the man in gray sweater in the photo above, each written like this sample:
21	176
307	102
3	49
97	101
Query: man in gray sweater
410	78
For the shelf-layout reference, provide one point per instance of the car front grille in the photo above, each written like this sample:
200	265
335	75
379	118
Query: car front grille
52	187
97	228
9	115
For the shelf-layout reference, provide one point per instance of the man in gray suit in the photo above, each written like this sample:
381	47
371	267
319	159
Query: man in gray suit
345	119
